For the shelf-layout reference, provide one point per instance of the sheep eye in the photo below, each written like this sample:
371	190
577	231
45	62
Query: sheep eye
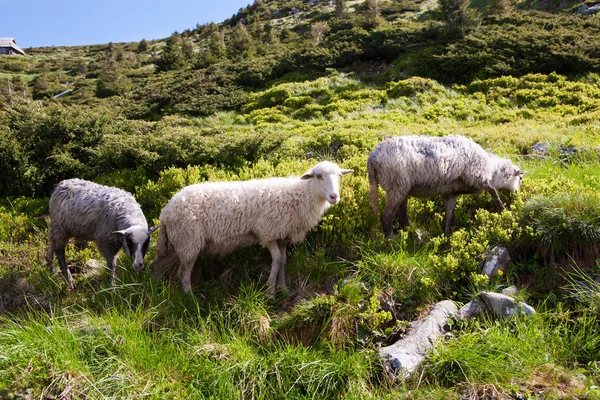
319	176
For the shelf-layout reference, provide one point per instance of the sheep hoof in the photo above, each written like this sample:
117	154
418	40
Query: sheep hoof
418	238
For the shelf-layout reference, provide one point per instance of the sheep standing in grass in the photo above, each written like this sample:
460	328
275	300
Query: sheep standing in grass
423	166
107	215
218	218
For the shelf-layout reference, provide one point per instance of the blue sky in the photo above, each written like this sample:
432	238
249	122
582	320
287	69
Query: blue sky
36	23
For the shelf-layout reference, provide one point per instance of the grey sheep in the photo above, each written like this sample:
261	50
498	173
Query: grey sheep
109	216
423	166
218	218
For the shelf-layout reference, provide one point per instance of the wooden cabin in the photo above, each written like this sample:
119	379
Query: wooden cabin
8	46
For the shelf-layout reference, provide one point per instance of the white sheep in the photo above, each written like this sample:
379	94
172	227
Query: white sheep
107	215
218	218
423	166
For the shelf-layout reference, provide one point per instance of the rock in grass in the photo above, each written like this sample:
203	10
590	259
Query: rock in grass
496	260
402	358
504	306
585	10
472	309
510	291
500	304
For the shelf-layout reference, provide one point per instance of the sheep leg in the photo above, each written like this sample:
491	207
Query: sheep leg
60	256
113	269
449	217
496	198
402	214
186	266
387	217
275	267
50	256
110	256
281	275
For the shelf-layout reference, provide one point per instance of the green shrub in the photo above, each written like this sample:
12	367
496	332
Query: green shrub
57	143
516	45
412	86
266	115
455	260
154	195
565	225
350	315
269	98
294	103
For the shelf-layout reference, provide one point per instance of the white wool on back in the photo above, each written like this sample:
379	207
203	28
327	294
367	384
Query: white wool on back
220	217
425	166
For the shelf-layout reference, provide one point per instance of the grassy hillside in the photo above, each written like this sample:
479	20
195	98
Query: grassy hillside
270	92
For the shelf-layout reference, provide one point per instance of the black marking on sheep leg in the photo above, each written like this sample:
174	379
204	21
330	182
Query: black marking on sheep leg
496	198
50	257
60	255
110	255
449	217
402	214
389	212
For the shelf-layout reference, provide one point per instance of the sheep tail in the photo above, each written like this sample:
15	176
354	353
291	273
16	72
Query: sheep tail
166	254
373	187
163	242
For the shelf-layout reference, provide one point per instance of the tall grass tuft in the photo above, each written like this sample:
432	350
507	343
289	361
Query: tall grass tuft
584	289
565	225
518	352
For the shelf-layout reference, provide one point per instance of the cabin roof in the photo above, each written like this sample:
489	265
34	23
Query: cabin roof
10	42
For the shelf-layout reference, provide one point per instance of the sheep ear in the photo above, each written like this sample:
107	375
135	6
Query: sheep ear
519	172
153	229
347	171
120	233
308	175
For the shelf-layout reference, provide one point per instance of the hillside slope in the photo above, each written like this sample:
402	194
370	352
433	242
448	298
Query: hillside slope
276	88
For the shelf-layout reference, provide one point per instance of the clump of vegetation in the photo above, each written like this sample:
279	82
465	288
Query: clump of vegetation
565	225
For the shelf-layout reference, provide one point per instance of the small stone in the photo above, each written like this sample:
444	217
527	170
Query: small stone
510	291
404	356
504	306
540	149
472	309
496	260
591	10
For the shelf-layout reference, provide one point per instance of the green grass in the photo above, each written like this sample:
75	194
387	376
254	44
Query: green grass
517	354
25	77
351	290
166	345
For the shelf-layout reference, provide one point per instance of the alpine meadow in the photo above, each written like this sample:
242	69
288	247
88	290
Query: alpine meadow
271	92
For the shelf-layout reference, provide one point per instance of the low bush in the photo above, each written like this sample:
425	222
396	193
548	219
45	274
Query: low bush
411	86
565	225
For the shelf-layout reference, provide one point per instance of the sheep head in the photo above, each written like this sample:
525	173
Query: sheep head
326	177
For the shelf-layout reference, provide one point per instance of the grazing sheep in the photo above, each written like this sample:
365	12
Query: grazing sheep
107	215
218	218
423	166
